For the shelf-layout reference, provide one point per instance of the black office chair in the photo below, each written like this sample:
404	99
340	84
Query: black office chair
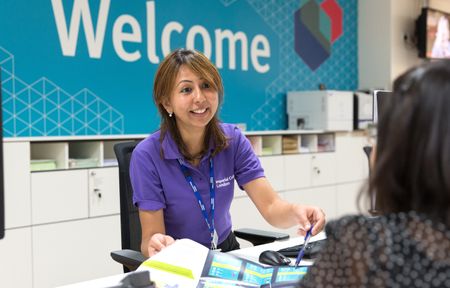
129	256
130	226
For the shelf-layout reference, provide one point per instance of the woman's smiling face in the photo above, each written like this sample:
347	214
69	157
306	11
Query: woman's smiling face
193	101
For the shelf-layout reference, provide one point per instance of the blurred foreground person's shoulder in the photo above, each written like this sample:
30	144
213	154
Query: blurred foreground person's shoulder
394	250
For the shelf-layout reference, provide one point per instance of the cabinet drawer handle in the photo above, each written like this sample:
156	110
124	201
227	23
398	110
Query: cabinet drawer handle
93	173
97	191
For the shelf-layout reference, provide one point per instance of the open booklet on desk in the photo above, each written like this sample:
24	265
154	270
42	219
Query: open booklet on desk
189	264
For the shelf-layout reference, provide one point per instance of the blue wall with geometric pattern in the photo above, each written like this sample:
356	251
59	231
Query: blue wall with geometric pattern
105	86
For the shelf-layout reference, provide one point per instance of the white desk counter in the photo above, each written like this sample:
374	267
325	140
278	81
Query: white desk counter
251	253
104	282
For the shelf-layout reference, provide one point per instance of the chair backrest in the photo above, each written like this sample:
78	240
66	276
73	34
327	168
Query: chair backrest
129	215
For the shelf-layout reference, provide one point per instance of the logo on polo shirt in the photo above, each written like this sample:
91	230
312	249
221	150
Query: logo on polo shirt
224	181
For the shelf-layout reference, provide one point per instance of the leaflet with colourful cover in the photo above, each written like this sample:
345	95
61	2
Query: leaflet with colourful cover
189	264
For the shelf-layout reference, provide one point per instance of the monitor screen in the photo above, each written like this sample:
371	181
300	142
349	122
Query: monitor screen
379	97
2	196
433	34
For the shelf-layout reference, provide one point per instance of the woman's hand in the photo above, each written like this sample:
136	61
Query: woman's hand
307	216
158	242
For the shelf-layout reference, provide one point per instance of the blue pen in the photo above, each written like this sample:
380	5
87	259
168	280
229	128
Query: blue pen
302	251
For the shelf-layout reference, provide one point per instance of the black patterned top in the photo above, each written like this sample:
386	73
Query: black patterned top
394	250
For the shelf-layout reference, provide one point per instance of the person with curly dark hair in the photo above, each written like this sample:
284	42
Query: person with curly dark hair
408	243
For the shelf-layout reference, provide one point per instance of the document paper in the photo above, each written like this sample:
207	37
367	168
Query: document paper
189	264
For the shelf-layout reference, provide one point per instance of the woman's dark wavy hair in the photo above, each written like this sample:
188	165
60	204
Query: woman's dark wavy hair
164	84
412	167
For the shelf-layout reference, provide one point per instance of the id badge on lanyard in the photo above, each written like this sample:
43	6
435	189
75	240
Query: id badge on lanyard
214	241
214	238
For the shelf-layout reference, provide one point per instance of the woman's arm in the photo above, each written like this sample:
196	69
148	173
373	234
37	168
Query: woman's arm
280	213
153	232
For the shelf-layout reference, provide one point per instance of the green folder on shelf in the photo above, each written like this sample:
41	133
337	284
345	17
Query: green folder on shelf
83	163
42	164
267	151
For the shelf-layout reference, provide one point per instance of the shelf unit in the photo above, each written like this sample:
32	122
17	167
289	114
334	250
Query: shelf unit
55	207
98	151
50	208
109	157
269	143
58	152
73	152
85	154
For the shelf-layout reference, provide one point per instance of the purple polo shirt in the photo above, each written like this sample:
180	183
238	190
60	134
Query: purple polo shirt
159	183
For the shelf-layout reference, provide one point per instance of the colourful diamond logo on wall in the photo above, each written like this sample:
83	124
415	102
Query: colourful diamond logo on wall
316	28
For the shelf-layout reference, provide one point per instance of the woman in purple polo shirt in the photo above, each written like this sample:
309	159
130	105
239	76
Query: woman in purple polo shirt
183	175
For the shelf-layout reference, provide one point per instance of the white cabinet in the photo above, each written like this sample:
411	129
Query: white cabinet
352	163
297	171
306	170
16	157
63	195
74	251
59	196
15	258
273	170
291	173
271	166
104	195
323	169
62	223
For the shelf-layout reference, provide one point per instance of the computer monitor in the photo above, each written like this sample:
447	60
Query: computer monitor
2	196
379	97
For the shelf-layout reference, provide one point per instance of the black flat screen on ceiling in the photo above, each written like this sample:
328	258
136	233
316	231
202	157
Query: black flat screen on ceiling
433	34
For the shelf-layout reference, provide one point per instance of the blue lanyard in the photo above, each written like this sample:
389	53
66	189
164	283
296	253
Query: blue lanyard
212	196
